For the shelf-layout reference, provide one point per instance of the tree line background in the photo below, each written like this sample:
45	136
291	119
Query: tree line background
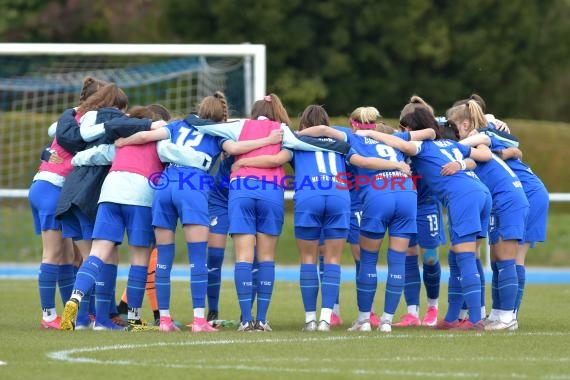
347	53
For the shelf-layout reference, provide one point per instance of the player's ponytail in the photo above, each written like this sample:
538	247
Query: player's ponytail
214	107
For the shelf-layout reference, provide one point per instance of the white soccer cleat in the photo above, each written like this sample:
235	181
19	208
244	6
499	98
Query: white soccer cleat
385	326
310	326
324	326
361	326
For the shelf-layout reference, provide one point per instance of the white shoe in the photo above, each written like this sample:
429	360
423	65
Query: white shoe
500	325
310	326
385	326
324	326
361	326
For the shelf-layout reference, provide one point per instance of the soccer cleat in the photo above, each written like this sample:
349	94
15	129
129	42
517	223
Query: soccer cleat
499	325
324	326
310	326
246	327
69	315
335	320
84	323
119	321
212	315
444	325
385	326
166	324
201	325
361	326
52	325
408	320
262	326
430	319
107	326
374	320
139	325
467	325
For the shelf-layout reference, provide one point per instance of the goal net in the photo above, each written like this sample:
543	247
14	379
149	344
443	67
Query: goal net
39	81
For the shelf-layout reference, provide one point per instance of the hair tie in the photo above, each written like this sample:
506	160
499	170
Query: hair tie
267	98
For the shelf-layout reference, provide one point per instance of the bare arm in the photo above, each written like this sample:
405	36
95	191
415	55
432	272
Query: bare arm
375	163
323	131
240	147
508	153
264	161
453	167
475	140
143	137
403	146
481	153
423	134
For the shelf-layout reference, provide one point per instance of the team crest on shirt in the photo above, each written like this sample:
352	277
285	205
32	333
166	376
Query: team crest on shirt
213	221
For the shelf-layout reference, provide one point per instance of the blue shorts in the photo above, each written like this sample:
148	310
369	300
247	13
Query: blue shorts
43	197
76	225
114	218
172	203
255	207
219	219
468	216
395	211
537	216
329	213
507	225
430	226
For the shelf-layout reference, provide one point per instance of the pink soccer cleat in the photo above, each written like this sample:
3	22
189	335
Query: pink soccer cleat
52	325
444	325
201	325
467	325
167	325
374	320
408	320
335	320
430	319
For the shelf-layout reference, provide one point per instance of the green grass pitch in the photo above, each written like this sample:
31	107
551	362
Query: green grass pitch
540	349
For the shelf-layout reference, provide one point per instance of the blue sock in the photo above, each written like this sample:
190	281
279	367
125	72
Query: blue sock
104	288
113	305
413	284
65	281
136	285
454	293
395	281
309	284
198	273
432	279
321	267
164	260
330	285
47	280
84	308
521	275
242	279
254	277
470	284
508	284
367	280
265	283
87	274
215	260
482	277
495	286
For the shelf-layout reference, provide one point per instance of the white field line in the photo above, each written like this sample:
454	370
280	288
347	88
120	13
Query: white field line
72	356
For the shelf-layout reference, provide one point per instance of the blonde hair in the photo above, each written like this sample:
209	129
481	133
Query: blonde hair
366	115
272	108
414	103
214	107
468	111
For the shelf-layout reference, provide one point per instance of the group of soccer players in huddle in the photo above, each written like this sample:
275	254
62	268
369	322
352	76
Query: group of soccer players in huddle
110	170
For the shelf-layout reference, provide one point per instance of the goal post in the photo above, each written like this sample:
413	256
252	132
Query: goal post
38	81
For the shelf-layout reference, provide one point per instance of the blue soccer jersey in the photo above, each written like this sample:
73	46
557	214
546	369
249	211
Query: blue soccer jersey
317	171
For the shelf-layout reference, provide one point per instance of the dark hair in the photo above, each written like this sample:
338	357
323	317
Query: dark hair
420	118
90	86
109	95
141	112
313	115
449	131
161	111
270	107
